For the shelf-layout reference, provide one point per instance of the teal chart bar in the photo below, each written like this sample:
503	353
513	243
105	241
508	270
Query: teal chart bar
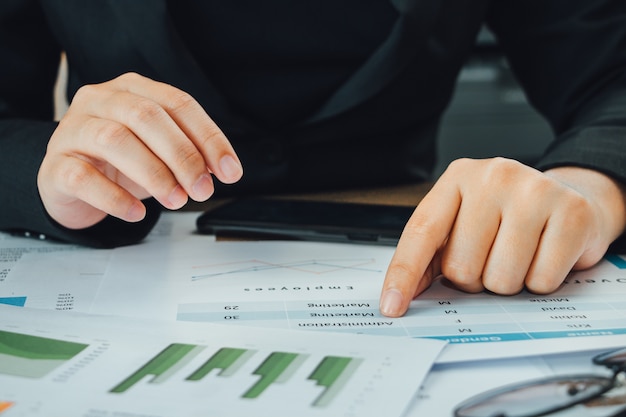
616	260
13	301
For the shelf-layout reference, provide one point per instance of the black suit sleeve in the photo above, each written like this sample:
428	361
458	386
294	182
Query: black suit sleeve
30	60
570	57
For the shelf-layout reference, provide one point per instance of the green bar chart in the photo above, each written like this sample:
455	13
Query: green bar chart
105	366
161	366
270	371
225	359
333	373
273	368
34	356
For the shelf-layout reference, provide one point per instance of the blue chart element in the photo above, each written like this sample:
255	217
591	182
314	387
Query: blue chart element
616	260
13	301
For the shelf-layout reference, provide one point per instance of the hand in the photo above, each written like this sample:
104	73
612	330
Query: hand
128	139
499	225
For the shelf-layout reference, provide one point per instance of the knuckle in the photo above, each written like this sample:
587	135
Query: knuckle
502	286
130	76
159	180
187	158
580	211
541	286
577	218
492	172
118	200
180	102
462	273
502	172
76	175
459	165
109	135
86	93
459	272
144	111
540	186
212	138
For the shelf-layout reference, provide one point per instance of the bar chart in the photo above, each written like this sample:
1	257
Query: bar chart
33	356
13	301
330	373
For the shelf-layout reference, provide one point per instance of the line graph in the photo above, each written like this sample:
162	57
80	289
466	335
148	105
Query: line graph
307	266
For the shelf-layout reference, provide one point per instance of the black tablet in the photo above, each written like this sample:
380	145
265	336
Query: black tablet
307	220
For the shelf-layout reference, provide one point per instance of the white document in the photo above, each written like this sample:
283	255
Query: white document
336	287
58	276
75	365
57	281
447	385
12	248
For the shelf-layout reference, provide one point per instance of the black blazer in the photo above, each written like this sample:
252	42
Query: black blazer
570	56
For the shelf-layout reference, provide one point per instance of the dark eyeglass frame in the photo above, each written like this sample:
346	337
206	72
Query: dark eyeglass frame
614	360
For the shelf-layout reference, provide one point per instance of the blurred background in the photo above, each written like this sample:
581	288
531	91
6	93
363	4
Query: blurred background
489	114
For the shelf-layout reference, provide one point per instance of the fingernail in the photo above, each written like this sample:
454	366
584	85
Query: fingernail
136	212
203	188
230	168
391	303
177	198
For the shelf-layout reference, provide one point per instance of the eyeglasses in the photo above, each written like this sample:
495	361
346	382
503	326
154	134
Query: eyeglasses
545	396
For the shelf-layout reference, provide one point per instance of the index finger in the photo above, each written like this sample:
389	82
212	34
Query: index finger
424	234
189	115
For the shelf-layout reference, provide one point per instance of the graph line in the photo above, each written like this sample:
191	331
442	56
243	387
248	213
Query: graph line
309	266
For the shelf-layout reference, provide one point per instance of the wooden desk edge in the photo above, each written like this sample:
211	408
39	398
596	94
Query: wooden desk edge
398	195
